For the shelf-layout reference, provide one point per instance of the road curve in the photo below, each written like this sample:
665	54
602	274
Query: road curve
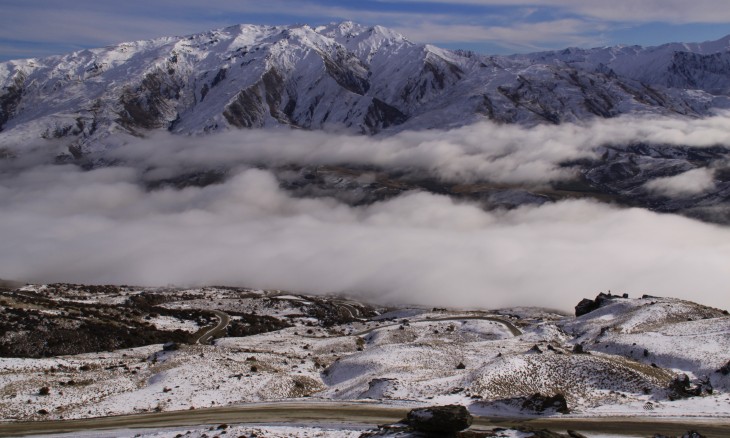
299	412
223	321
314	412
511	327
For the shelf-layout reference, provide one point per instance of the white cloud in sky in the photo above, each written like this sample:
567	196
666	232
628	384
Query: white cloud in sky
83	28
519	36
673	11
518	25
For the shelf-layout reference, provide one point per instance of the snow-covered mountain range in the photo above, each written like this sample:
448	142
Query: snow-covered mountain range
342	76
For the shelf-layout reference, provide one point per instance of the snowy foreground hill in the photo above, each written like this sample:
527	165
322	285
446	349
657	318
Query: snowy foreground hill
140	350
342	76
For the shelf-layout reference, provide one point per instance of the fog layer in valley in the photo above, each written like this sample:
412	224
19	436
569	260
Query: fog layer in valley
61	223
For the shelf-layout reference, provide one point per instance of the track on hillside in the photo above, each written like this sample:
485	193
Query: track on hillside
316	412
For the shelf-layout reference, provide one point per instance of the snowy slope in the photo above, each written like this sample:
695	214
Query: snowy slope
667	332
703	66
339	76
490	362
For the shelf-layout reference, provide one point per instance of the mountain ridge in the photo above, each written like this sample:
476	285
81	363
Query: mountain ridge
341	76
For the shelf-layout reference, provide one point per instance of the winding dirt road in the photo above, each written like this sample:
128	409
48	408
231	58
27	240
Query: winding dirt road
511	327
223	321
314	412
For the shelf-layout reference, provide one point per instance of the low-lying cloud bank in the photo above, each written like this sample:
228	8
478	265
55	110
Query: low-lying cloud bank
59	223
500	153
692	182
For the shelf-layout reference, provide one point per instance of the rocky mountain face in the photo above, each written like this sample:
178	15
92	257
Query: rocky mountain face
341	76
692	66
618	176
372	80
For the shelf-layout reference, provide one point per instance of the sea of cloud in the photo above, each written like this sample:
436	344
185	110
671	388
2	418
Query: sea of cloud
63	223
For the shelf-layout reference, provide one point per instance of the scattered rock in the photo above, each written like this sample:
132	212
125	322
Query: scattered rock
535	349
380	388
440	420
540	403
478	434
682	387
688	434
170	346
541	433
387	430
578	349
553	349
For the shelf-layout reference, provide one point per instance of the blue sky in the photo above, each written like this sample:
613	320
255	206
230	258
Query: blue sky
30	28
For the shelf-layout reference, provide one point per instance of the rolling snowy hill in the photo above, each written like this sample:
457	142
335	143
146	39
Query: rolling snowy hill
620	359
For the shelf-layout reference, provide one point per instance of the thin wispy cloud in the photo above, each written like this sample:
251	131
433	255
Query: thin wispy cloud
520	37
91	28
54	26
675	11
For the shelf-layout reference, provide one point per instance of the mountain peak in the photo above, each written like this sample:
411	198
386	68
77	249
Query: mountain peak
341	76
350	29
719	45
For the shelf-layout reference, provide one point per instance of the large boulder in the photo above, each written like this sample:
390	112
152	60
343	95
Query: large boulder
440	420
725	369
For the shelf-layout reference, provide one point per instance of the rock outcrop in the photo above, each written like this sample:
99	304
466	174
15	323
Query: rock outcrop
440	420
587	305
